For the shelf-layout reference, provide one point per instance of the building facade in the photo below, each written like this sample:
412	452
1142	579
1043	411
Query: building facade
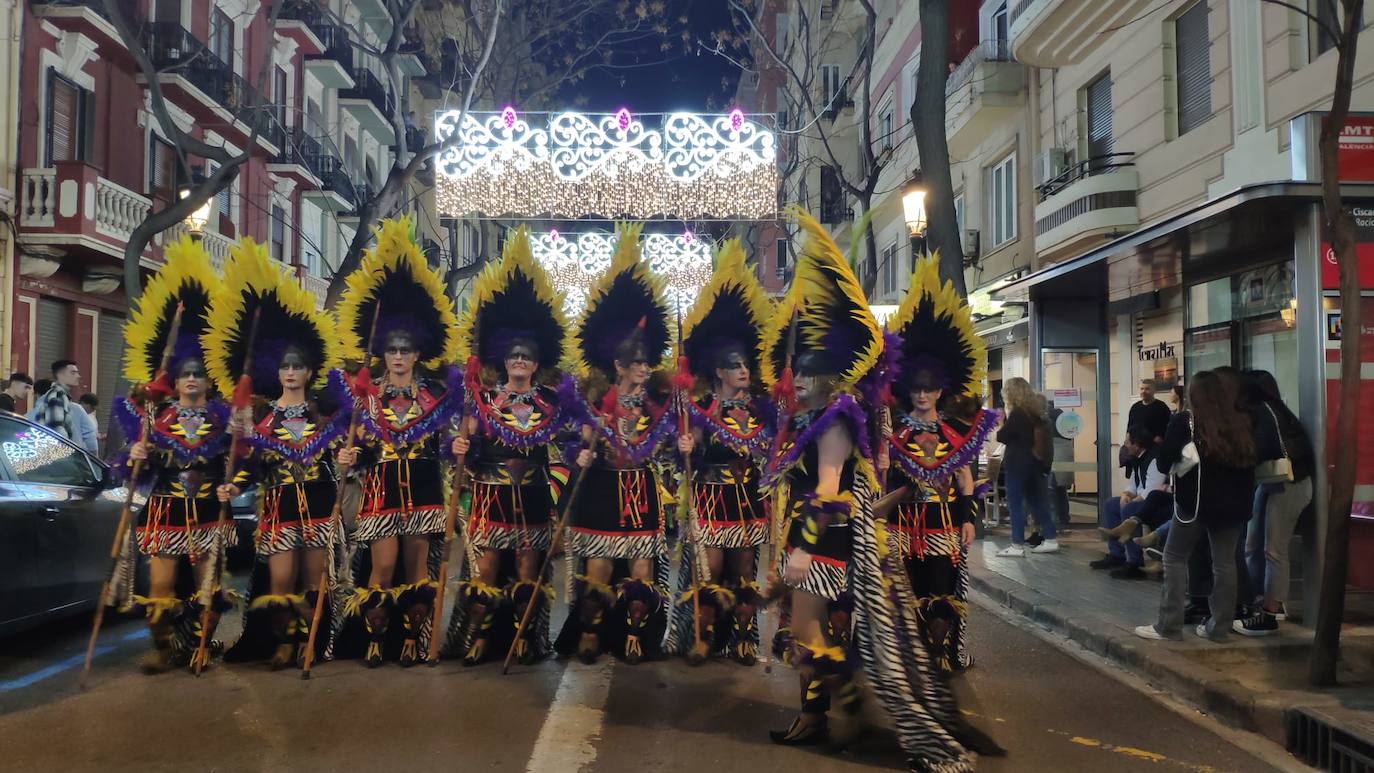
93	158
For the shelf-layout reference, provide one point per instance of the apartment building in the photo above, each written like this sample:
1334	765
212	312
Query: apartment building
93	158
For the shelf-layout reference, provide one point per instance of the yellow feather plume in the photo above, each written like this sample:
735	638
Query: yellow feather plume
950	311
396	251
732	275
626	259
187	265
517	257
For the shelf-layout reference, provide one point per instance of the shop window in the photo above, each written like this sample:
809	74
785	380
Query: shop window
71	114
1245	321
1001	187
1192	60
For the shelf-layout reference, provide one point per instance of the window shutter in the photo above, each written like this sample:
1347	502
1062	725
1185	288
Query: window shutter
1100	117
1194	67
63	114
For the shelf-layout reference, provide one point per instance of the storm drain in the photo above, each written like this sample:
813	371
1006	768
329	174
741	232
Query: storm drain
1324	747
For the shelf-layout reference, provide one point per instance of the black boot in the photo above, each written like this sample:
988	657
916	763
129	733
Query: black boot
481	600
519	596
162	613
417	603
373	605
591	600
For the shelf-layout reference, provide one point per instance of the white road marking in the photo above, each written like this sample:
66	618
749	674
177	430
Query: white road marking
567	741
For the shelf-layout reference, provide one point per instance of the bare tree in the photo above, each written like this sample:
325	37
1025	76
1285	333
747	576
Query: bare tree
183	143
928	121
799	60
1343	28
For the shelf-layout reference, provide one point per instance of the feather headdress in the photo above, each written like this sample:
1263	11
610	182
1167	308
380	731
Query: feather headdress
834	325
625	304
731	313
185	278
287	318
513	299
937	340
412	297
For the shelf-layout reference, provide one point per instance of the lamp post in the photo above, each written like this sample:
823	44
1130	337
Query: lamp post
914	212
195	222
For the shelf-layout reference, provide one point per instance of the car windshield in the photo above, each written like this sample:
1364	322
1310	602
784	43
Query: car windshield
35	454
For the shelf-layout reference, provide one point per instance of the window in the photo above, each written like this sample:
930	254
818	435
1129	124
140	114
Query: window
830	85
959	214
999	24
162	164
1194	67
1002	201
280	96
70	117
780	262
1328	17
222	37
278	233
167	10
884	128
1097	104
888	269
782	28
909	85
220	205
39	456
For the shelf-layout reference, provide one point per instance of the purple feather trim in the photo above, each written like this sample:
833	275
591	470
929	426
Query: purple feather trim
841	407
963	456
830	507
885	372
982	490
334	428
527	441
450	406
129	417
758	446
639	451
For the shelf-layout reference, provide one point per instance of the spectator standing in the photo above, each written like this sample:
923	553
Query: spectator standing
1212	500
1150	413
17	390
56	409
92	405
1025	462
1277	507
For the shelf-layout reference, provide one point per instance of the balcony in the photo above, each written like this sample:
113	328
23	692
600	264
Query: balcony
336	192
370	103
332	68
70	208
87	17
299	159
187	65
300	20
841	102
1055	33
982	92
1089	203
415	138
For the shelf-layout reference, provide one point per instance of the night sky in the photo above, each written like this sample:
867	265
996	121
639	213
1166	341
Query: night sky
691	82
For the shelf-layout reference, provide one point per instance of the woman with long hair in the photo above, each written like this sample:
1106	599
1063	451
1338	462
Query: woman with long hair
1211	498
1023	471
1277	507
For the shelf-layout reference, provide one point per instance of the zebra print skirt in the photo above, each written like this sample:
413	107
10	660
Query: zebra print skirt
171	526
293	516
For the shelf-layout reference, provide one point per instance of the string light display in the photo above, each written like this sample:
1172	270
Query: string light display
574	261
573	165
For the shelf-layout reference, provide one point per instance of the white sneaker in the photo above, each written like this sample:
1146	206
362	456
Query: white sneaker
1014	551
1048	546
1149	632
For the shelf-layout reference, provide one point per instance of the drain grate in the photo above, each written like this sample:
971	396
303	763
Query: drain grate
1325	747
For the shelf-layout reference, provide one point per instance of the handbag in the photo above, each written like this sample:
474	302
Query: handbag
1188	459
1278	470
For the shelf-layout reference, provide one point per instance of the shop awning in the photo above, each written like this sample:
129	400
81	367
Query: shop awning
1150	258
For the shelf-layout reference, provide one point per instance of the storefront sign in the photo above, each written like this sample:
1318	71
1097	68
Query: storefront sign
1364	251
1005	337
1066	398
1160	351
1069	424
1355	149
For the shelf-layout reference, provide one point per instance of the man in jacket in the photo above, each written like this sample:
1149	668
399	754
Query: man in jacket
1146	488
57	410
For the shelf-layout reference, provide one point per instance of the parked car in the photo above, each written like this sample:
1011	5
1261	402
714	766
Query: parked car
244	508
59	508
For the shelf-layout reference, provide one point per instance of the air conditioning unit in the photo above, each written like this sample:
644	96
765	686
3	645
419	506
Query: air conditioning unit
972	242
1050	164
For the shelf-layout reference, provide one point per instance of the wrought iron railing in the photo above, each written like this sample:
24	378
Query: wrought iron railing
1088	167
336	44
368	86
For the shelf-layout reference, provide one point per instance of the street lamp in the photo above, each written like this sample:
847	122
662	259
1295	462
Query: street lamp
195	222
914	212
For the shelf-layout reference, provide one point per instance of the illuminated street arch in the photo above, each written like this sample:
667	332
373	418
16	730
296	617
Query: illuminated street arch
574	261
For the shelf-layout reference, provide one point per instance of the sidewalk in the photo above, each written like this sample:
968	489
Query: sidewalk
1254	683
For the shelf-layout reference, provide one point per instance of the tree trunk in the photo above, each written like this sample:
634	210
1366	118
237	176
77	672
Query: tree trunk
928	120
1331	600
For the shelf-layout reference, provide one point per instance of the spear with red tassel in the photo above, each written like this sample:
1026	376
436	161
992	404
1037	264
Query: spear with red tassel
362	389
682	385
243	399
152	393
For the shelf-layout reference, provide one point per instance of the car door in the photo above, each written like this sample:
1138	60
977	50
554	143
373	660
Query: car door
64	490
19	594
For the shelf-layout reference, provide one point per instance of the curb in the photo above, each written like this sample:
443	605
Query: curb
1225	699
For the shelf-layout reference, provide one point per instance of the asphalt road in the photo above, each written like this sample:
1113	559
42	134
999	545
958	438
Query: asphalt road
1050	710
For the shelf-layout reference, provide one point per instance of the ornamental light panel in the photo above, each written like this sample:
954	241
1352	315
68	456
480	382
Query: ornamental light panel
574	261
609	165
